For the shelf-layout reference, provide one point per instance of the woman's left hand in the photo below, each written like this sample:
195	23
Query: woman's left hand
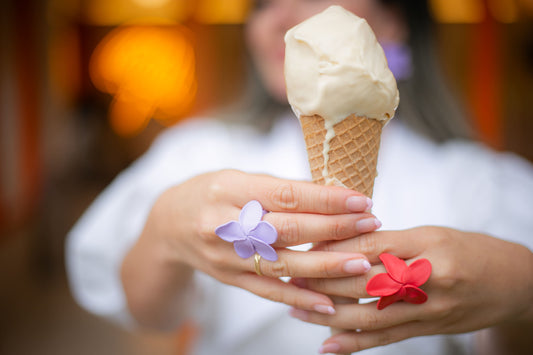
476	282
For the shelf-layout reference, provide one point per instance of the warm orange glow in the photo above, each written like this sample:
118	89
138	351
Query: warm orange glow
64	63
114	12
474	11
152	3
458	11
526	6
503	10
150	71
222	11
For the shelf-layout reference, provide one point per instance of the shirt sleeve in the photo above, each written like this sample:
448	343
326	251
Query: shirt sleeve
100	239
98	242
511	212
496	195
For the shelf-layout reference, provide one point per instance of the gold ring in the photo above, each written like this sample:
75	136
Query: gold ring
257	259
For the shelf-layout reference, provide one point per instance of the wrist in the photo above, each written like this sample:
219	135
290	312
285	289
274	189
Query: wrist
525	313
513	336
154	280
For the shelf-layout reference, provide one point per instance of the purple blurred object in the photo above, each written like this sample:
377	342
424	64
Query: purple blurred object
250	235
399	58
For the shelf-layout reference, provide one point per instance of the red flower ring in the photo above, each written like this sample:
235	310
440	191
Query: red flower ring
400	282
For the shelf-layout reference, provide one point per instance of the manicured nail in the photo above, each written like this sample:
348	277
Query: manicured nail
356	266
324	309
367	225
331	348
298	313
358	203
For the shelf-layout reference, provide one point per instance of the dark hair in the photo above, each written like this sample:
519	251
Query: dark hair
426	103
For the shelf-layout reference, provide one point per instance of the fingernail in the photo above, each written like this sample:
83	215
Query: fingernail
332	348
298	313
356	266
358	203
324	309
367	225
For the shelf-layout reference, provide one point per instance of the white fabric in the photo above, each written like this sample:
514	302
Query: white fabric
458	185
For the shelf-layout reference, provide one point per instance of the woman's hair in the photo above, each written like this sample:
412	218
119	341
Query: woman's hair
426	104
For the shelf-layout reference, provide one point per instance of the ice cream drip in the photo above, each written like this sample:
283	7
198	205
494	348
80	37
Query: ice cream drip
335	67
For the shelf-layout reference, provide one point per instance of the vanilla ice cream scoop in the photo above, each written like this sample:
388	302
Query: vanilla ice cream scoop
335	67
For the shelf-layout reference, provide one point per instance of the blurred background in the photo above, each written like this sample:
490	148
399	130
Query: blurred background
86	85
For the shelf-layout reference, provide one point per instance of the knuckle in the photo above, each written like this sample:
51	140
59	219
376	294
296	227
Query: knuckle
326	200
205	230
357	344
358	286
440	236
384	338
214	258
439	309
339	230
446	276
217	183
290	231
318	284
284	196
214	188
370	321
369	244
324	269
279	268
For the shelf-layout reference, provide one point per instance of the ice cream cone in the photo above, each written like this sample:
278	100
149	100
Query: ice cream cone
352	154
351	157
334	68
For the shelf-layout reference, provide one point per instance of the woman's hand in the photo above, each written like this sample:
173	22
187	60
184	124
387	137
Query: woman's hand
179	237
477	282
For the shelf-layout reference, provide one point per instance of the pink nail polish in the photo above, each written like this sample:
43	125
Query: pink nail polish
366	265
367	225
356	266
358	203
331	348
324	309
369	204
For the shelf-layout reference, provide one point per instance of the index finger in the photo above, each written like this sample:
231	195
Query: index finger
280	195
404	244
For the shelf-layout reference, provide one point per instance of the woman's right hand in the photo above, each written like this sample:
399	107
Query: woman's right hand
179	237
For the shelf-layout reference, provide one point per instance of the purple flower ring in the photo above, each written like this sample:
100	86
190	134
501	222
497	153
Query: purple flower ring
250	234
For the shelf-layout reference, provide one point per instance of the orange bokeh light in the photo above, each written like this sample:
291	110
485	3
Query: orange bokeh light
150	71
222	11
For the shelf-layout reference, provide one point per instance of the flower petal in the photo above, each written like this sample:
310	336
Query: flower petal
414	295
417	273
382	285
394	265
250	215
265	231
386	301
265	250
244	248
230	231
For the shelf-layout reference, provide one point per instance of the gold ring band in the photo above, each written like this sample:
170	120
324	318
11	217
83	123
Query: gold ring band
257	259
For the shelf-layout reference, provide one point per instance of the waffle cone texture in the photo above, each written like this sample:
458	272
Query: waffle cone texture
353	151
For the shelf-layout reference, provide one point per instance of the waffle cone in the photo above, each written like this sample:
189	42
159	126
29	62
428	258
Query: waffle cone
352	157
353	151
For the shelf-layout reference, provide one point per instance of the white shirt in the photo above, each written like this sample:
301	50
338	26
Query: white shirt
458	185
